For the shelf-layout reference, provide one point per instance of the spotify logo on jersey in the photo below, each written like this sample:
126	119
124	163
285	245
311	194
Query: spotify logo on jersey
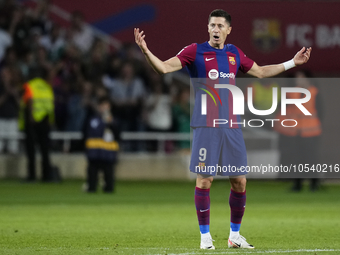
213	74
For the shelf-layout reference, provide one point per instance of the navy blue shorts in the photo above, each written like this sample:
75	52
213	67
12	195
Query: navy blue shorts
218	151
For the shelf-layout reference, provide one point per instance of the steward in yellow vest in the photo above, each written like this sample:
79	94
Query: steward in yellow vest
38	99
263	99
263	94
35	117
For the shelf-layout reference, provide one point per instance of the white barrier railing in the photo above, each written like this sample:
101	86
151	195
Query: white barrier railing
68	136
141	136
56	135
160	136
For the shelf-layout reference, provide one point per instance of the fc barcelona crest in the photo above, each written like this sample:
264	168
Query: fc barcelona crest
232	60
201	165
266	34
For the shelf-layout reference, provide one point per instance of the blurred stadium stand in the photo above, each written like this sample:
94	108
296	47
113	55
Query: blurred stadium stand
271	37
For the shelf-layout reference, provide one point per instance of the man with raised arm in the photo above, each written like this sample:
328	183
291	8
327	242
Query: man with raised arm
217	149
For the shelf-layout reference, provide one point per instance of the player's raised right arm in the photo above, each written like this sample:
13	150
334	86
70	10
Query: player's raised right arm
161	67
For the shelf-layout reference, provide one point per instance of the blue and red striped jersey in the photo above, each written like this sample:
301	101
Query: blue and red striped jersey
208	66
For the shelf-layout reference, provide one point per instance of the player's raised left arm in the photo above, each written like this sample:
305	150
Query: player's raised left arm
271	70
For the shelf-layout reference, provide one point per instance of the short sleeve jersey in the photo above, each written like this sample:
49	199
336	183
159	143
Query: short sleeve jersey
208	66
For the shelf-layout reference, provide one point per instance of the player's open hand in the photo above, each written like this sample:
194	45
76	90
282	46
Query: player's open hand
139	39
302	56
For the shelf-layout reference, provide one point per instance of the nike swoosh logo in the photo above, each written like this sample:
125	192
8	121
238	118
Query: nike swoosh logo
204	210
233	244
237	245
208	59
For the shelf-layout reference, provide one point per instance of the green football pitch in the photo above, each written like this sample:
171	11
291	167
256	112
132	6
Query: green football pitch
160	218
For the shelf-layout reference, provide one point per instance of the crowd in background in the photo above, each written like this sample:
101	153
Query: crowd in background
81	69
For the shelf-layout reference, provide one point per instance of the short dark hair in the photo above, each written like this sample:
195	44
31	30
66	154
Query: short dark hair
220	13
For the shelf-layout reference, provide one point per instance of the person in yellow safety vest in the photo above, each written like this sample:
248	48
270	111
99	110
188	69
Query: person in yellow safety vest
263	93
299	144
35	117
263	97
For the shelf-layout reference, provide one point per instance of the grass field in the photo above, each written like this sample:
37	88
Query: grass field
160	218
